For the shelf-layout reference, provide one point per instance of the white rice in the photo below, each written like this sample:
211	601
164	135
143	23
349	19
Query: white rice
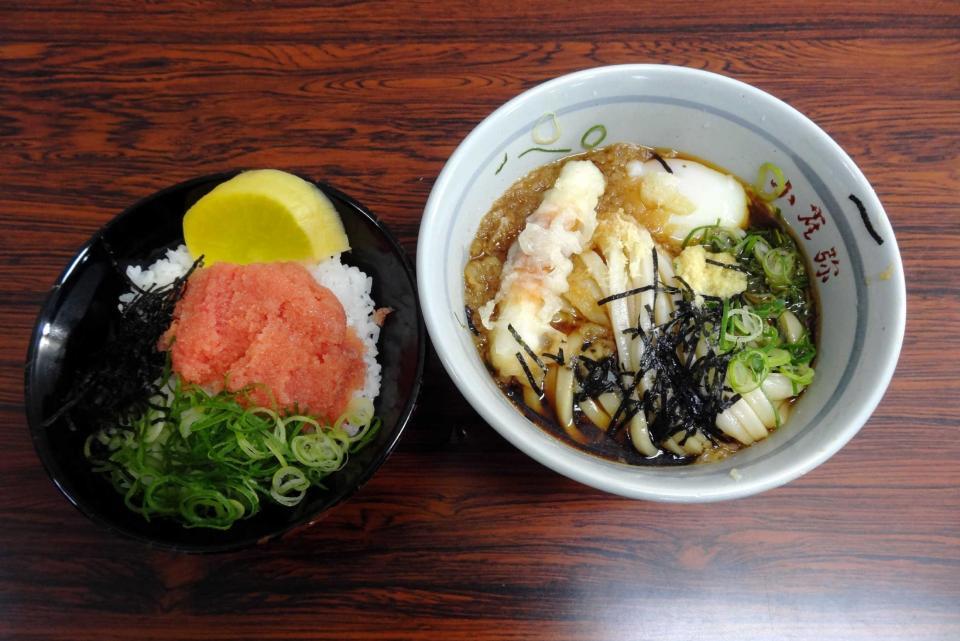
164	271
352	288
349	284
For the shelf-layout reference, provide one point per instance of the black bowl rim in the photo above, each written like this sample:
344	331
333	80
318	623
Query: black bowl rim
39	441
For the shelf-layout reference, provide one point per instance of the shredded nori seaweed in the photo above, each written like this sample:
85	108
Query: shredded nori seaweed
733	267
526	348
684	395
596	376
468	311
866	219
125	377
663	163
558	357
632	292
526	370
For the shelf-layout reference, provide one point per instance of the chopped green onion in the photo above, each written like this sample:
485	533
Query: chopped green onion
747	370
769	308
800	375
590	144
544	119
364	436
548	151
289	486
779	265
717	238
722	342
689	239
779	182
778	357
206	460
501	164
760	248
742	326
749	242
769	338
202	507
803	351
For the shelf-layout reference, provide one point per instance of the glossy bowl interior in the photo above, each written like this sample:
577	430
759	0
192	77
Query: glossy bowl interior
82	308
858	275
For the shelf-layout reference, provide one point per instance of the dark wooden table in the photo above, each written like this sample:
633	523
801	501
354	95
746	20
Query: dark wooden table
460	536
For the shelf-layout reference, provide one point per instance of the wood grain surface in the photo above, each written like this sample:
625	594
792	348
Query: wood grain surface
459	536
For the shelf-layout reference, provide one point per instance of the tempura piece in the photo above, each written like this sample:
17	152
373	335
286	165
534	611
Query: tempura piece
535	273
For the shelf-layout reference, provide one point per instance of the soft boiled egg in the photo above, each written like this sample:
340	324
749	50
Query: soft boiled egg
690	195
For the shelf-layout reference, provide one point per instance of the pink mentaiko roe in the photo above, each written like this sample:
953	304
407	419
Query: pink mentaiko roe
269	325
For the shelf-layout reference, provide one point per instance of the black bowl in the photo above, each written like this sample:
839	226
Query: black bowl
82	306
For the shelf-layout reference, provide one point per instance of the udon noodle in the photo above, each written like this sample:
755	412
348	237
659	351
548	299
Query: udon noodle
644	306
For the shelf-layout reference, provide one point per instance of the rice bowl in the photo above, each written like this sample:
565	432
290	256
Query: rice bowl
77	317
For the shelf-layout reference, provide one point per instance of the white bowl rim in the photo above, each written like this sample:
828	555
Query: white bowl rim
559	459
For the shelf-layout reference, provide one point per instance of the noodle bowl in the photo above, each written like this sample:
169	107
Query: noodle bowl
857	283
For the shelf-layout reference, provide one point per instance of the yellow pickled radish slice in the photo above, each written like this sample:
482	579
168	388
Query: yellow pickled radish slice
262	216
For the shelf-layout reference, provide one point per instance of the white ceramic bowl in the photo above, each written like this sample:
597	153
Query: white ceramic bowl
737	127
